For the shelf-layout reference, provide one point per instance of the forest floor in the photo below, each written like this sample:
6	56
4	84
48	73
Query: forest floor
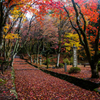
33	84
85	72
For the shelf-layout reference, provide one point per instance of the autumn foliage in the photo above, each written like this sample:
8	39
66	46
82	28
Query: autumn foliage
83	16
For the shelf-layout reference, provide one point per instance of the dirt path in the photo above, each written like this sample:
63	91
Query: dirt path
33	84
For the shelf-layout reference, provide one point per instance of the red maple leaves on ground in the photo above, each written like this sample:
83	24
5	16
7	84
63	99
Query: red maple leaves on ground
33	84
85	73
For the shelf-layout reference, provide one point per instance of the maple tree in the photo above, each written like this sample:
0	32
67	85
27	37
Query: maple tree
11	44
45	36
70	40
60	22
50	36
82	28
10	35
13	13
83	15
14	6
33	42
30	37
5	8
6	26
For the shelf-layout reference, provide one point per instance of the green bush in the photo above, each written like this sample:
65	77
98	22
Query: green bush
74	70
66	61
61	65
98	65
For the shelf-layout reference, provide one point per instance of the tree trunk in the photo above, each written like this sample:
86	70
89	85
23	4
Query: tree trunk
31	59
1	26
94	70
34	58
58	58
12	59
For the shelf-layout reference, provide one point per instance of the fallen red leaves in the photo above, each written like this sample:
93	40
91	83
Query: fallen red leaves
33	84
85	72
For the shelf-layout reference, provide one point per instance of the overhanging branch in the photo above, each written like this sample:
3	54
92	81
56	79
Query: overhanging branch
76	29
82	17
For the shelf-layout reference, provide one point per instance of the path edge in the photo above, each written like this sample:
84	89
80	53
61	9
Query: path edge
13	90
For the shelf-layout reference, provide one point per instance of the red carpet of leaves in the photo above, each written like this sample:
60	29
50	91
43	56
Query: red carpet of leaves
33	84
85	72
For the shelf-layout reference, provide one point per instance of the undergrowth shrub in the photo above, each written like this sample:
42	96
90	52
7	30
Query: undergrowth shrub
61	64
74	70
66	61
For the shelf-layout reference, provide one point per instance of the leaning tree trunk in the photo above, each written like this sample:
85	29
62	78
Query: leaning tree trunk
1	25
12	59
31	58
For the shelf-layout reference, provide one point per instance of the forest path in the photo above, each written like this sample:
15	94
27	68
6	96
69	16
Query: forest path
33	84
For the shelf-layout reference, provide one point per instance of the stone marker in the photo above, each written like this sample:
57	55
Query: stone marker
74	56
34	61
65	67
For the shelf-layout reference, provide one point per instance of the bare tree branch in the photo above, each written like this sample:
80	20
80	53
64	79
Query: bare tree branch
76	29
13	24
82	17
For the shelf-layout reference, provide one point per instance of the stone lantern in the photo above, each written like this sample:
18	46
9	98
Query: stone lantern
74	55
40	60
